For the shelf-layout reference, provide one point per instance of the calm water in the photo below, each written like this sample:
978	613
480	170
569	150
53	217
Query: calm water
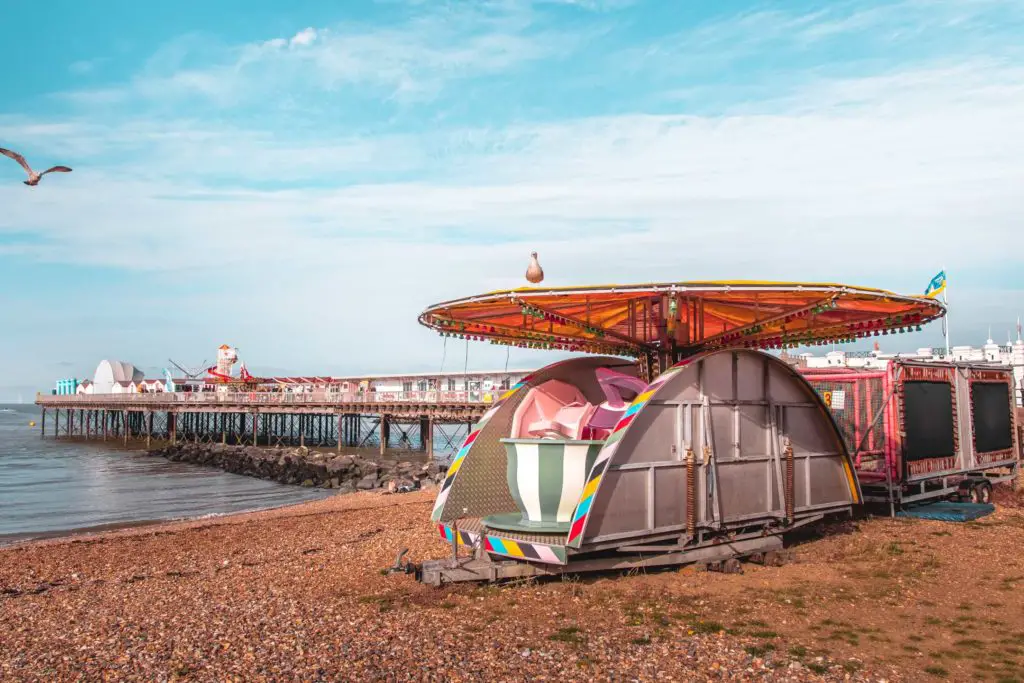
48	487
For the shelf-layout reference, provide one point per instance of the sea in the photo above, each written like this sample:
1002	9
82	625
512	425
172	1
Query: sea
54	488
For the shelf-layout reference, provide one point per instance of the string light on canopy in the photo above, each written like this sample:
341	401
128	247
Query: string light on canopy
671	321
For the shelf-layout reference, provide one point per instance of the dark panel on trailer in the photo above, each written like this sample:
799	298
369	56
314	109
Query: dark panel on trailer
928	420
991	403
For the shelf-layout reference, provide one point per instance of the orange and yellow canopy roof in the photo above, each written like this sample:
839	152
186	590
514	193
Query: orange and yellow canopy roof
636	319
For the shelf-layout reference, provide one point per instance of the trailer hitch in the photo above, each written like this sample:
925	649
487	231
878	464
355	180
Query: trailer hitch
402	568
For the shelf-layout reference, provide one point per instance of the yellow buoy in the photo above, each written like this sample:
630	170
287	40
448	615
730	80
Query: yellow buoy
32	424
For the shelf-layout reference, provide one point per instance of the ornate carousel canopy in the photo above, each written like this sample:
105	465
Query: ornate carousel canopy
681	317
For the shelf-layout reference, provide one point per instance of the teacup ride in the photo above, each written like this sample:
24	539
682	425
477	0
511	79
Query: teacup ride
680	440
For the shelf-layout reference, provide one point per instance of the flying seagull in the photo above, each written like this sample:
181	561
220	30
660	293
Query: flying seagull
534	273
33	177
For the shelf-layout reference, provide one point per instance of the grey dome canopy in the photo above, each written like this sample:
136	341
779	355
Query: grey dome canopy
110	372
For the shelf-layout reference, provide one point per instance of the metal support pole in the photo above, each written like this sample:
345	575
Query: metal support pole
172	426
385	433
42	431
149	428
124	420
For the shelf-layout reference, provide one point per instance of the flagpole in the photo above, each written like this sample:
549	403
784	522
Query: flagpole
945	300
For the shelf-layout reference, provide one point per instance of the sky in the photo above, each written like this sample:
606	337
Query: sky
301	179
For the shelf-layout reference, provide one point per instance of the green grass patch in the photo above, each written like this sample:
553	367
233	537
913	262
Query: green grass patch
936	671
707	627
818	668
568	634
646	640
759	650
848	637
798	651
969	642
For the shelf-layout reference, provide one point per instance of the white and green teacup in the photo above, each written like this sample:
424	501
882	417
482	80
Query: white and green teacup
546	478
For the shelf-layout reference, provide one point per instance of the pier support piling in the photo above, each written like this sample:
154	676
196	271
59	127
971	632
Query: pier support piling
426	434
385	433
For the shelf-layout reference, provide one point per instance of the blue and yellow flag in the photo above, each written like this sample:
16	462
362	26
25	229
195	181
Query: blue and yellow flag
936	286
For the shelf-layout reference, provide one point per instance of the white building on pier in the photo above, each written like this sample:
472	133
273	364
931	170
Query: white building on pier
1012	353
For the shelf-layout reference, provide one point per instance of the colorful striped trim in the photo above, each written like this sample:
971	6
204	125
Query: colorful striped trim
519	385
460	455
537	552
854	491
580	515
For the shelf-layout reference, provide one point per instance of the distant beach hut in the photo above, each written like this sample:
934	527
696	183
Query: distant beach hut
124	388
152	386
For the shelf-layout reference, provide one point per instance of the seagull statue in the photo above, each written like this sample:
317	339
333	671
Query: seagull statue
33	177
534	273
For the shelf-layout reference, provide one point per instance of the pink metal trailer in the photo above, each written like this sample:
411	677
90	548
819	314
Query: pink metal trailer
923	430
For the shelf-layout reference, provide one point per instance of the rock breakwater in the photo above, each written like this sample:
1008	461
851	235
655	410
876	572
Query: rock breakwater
305	467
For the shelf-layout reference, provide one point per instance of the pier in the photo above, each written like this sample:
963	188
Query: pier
400	419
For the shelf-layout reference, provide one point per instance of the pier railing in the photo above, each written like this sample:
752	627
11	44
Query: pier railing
256	398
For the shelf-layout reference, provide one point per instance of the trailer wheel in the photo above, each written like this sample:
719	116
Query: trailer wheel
732	566
981	492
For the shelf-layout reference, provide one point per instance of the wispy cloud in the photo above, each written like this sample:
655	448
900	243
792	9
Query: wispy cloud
877	176
411	60
85	66
925	153
780	46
